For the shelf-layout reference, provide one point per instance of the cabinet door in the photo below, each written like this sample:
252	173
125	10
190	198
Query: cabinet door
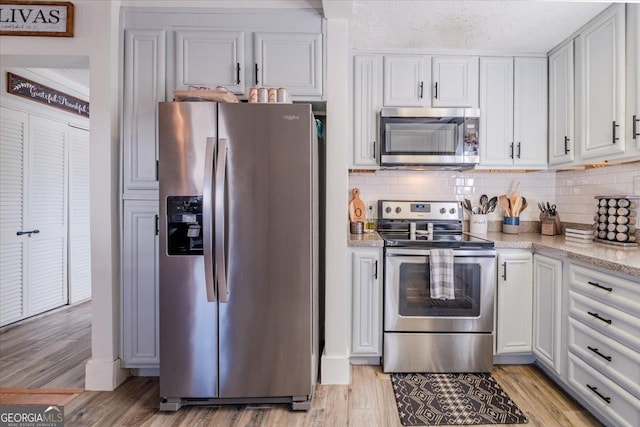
34	194
210	58
144	86
561	105
496	111
367	101
530	112
600	59
633	75
290	60
547	310
140	345
366	281
407	81
455	81
514	302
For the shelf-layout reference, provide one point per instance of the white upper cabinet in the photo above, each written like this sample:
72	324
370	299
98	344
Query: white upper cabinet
633	77
407	81
561	105
455	81
144	86
513	112
426	81
367	101
530	112
210	58
600	85
291	60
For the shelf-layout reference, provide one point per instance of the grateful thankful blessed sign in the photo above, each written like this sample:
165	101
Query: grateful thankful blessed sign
28	18
45	95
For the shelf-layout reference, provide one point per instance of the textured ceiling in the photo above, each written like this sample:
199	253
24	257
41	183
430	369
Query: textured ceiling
486	26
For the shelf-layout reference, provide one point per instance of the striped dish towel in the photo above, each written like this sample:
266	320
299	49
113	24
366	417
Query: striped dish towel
441	274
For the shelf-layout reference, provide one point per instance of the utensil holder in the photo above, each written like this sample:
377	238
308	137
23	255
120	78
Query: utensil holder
478	224
511	225
357	227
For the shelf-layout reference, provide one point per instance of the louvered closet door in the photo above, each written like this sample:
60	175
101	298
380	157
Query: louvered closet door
33	196
13	137
79	230
47	197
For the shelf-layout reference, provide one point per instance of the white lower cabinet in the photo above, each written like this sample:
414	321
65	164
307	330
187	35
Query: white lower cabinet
547	311
604	342
514	302
140	322
366	282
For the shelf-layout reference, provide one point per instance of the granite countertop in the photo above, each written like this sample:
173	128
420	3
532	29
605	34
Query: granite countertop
622	259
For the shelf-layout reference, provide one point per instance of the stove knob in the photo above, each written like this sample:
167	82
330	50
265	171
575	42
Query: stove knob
443	210
452	211
398	210
388	209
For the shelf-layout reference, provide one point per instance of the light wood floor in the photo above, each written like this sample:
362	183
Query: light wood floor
368	401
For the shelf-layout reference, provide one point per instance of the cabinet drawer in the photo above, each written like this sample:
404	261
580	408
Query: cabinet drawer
612	290
612	359
613	323
609	399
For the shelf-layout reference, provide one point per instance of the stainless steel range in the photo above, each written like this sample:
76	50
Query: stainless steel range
425	334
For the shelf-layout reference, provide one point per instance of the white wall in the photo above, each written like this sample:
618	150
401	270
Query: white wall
95	38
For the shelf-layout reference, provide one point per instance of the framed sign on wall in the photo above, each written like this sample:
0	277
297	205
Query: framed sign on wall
31	18
37	92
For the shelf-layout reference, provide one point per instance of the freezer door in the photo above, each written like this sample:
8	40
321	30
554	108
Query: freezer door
265	326
188	321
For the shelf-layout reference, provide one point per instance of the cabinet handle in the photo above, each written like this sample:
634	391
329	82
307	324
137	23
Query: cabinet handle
375	270
157	170
238	73
595	390
421	89
566	145
635	123
504	275
28	233
436	90
511	145
373	150
519	149
598	285
256	74
614	132
597	316
157	225
595	350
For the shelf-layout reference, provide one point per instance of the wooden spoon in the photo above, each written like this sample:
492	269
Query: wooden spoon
515	209
503	202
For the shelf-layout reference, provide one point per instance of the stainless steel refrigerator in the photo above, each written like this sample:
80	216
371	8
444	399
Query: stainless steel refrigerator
238	253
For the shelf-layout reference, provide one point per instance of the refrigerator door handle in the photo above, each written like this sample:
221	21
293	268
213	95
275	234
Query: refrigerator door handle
221	176
207	221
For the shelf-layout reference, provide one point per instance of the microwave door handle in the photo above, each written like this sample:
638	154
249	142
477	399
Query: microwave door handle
220	213
207	221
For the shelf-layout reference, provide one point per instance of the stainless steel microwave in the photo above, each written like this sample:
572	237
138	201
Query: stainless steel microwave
429	138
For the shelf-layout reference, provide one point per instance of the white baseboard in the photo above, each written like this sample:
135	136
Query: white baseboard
104	375
335	370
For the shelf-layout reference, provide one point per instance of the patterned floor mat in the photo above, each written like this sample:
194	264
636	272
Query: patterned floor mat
453	399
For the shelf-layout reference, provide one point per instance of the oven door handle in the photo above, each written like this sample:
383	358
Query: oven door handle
480	253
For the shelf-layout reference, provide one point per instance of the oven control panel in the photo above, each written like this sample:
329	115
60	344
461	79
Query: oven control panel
416	210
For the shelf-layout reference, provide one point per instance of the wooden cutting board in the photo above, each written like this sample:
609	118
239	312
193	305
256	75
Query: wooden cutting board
357	209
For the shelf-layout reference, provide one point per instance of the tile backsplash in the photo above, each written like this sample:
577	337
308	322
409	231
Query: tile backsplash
572	191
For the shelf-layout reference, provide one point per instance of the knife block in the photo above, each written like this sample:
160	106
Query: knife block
550	225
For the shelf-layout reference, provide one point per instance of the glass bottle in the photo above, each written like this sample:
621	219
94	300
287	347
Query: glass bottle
370	223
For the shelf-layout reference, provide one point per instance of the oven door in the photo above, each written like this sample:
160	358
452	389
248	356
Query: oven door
409	308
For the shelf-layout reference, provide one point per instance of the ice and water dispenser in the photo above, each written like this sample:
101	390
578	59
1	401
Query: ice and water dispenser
184	225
